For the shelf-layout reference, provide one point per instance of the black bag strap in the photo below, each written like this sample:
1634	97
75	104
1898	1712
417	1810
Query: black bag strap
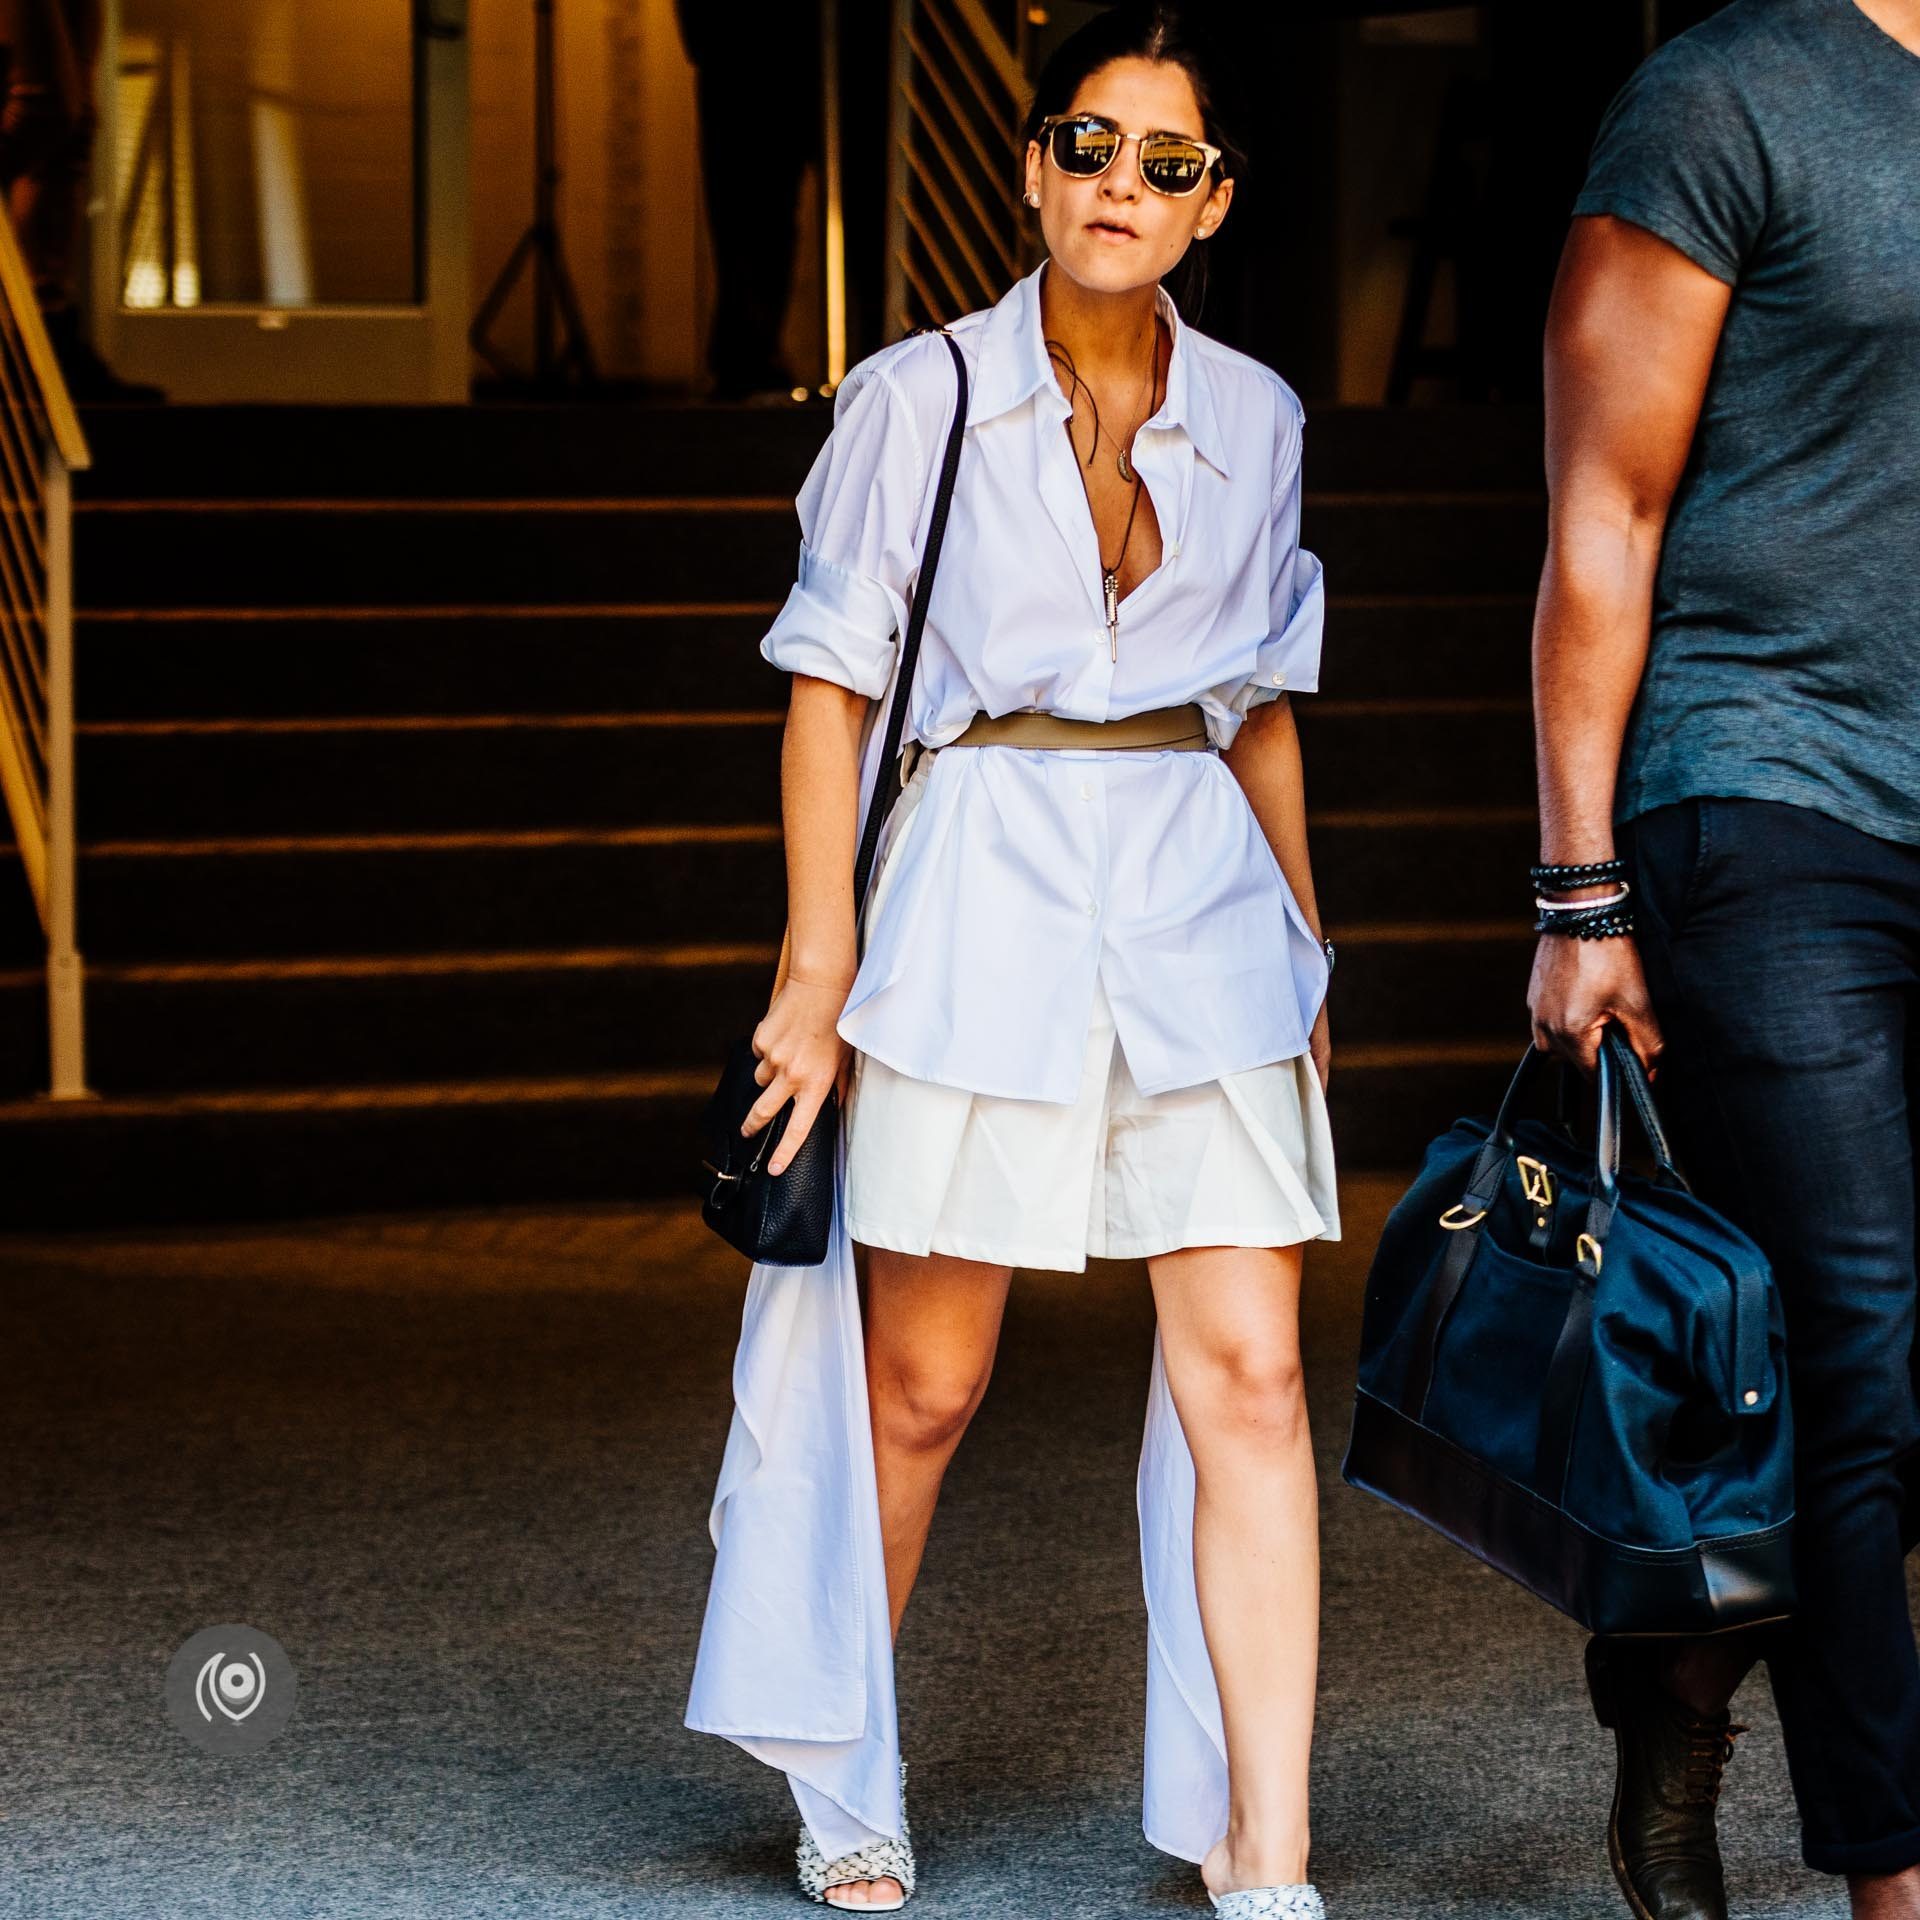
885	791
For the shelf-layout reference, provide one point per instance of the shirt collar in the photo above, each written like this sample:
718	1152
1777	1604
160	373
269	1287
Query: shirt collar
1012	367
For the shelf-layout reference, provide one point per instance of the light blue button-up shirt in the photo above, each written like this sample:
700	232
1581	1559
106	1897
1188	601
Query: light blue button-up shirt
1145	870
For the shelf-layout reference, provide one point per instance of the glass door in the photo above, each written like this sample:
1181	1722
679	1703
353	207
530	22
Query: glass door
286	199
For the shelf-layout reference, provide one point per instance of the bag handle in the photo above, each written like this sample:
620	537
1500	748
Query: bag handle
1616	1066
1617	1070
884	790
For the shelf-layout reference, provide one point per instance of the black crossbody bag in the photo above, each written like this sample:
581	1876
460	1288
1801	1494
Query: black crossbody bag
787	1221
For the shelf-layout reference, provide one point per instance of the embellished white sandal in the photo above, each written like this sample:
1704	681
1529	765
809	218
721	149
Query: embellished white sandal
1270	1903
877	1860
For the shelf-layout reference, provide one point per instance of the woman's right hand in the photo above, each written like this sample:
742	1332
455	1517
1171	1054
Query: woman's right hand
802	1058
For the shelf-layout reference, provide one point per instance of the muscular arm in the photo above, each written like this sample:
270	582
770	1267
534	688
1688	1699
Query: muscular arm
1631	339
1265	759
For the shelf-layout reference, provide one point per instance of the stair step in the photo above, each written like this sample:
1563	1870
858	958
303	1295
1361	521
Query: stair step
444	773
306	1152
386	1019
1405	984
455	772
288	1153
211	663
1445	448
157	554
1426	645
196	451
382	1018
350	894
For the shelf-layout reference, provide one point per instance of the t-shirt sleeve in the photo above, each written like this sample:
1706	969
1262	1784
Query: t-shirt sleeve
1679	155
859	512
1288	659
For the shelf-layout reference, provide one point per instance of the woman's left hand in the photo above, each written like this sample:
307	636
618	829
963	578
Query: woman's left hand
1320	1045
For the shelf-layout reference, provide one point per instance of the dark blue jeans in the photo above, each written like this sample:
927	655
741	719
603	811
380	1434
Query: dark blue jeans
1783	953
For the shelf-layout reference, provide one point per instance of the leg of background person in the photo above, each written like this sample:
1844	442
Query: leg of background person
50	101
1230	1333
1780	949
757	137
46	157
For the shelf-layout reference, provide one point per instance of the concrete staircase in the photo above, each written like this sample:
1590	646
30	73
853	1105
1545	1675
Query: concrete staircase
429	799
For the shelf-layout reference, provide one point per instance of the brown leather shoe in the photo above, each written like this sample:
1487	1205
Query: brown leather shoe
1661	1835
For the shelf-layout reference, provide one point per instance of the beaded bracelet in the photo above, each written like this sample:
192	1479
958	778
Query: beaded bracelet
1596	873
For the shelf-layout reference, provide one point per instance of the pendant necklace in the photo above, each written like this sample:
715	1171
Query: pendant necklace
1110	575
1122	455
1110	578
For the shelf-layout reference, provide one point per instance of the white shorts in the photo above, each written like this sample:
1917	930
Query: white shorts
1242	1161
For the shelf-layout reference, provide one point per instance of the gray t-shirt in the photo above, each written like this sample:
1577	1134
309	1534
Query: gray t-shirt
1778	147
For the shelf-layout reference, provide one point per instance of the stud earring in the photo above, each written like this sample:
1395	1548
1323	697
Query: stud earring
1033	199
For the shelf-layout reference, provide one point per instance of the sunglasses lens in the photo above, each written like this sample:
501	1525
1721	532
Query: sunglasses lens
1170	164
1084	147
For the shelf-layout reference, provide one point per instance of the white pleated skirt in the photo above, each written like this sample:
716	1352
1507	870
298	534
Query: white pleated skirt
1242	1161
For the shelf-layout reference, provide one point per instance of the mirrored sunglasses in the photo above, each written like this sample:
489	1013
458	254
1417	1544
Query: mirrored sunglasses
1084	145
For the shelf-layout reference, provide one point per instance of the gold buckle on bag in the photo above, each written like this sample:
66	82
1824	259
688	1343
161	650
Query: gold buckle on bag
1457	1226
1536	1180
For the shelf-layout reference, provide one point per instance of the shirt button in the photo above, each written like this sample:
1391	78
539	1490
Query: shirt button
1173	552
1279	679
1092	909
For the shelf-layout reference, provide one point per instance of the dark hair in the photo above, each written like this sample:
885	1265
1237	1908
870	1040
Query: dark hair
1144	30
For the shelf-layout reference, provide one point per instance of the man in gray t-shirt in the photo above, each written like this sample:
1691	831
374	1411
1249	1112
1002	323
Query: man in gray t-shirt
1727	685
1778	148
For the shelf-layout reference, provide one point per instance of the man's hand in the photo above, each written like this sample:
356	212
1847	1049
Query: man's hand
1579	986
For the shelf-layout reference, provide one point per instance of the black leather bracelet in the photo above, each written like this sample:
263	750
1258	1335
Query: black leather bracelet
1596	873
1609	923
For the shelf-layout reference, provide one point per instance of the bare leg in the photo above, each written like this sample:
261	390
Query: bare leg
932	1327
1230	1335
1885	1896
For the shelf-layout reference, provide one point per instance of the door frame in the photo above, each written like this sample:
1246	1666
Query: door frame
367	354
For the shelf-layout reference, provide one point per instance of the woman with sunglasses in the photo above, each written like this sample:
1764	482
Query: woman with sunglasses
1088	1016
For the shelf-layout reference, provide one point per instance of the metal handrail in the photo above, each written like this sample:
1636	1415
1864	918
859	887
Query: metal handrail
41	448
955	233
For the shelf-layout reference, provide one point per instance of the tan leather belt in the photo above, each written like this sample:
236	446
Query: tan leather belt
1183	726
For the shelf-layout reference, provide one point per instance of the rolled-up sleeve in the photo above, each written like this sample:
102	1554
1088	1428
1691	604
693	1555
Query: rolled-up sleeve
1288	660
859	524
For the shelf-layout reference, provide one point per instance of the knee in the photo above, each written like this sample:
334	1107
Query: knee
921	1409
1248	1394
